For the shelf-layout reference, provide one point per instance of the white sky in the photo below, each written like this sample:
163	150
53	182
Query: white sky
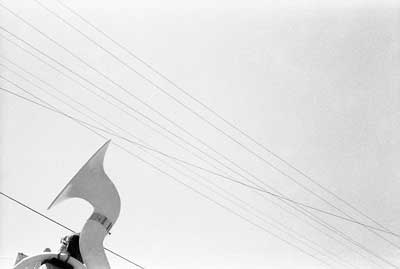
316	83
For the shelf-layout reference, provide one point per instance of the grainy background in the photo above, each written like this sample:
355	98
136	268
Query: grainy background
317	83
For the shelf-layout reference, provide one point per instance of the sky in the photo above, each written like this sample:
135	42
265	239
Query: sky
315	82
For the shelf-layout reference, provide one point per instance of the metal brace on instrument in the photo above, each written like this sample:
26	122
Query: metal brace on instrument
103	220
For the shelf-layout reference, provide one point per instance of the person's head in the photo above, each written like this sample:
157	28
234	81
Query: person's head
70	245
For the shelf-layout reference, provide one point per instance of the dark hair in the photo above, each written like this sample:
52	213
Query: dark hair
70	244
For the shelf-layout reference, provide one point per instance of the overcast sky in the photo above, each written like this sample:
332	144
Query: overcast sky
317	84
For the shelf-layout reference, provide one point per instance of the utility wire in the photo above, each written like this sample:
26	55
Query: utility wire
118	85
351	217
324	224
65	227
91	127
113	98
276	168
208	108
177	180
275	223
300	210
142	146
84	124
100	96
108	102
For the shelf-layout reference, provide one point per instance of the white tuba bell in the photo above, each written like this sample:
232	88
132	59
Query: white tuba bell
93	185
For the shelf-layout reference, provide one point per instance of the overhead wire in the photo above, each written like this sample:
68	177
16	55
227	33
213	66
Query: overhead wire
101	98
308	214
175	179
145	146
270	164
107	131
118	85
208	108
216	114
108	102
128	92
118	100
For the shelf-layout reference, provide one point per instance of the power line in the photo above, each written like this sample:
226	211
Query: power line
67	116
185	92
98	95
118	85
276	168
302	213
112	97
176	179
277	223
236	181
300	210
65	227
143	145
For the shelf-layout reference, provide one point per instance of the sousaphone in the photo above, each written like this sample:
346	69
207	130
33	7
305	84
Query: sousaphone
92	185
